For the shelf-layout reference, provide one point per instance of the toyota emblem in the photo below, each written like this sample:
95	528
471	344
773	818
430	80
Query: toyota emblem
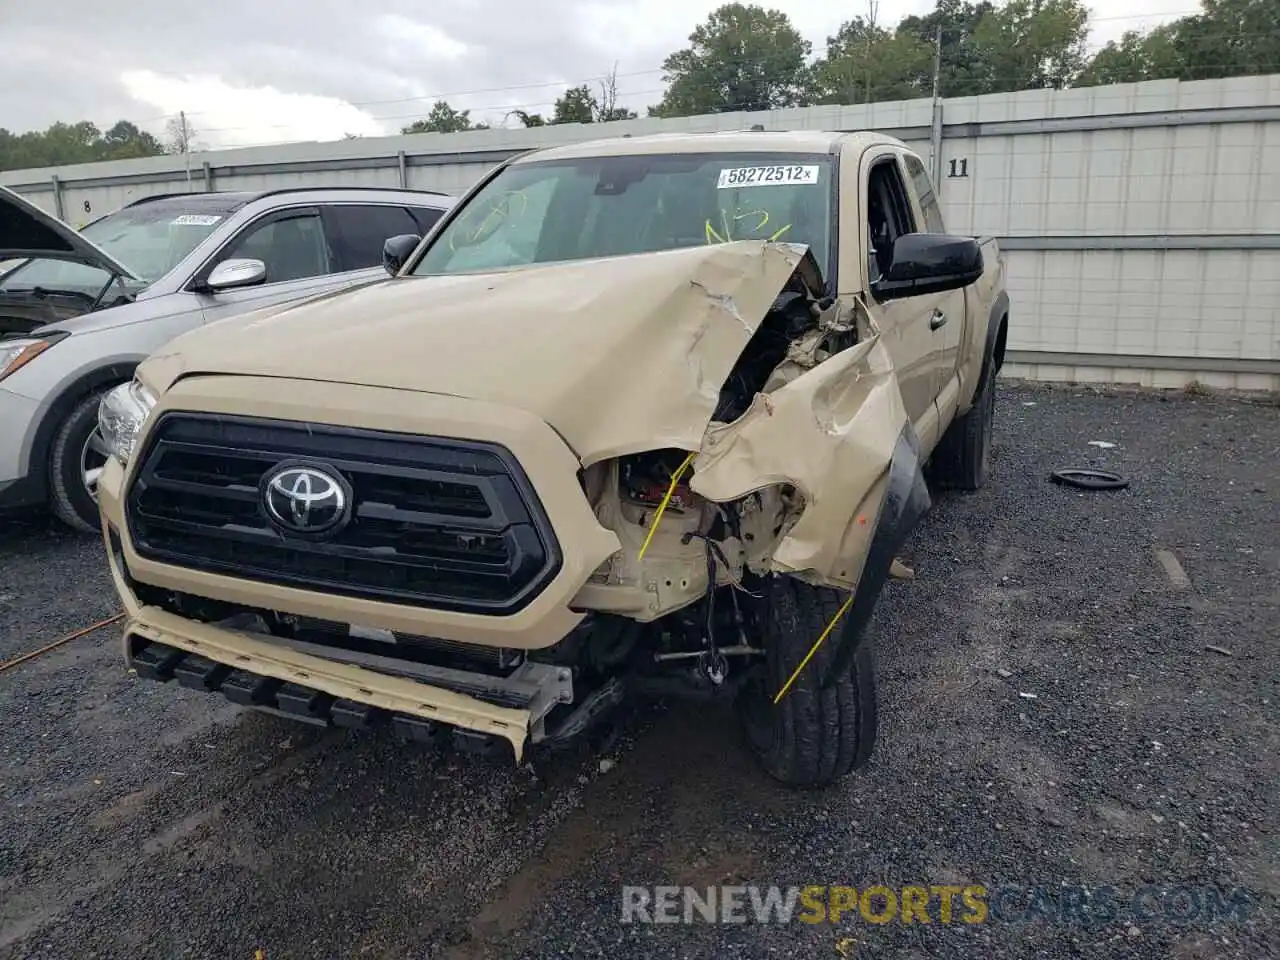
305	499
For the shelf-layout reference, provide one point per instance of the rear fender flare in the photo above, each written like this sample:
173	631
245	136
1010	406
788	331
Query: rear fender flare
996	320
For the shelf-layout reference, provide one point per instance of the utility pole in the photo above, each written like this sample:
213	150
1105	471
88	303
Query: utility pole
186	144
936	131
937	62
873	8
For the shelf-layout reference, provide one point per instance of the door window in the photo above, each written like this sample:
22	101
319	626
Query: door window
928	199
889	215
361	230
292	247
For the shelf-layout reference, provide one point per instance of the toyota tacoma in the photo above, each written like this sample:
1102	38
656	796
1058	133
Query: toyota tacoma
640	416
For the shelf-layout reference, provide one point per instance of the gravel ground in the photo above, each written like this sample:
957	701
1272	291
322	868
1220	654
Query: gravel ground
1049	715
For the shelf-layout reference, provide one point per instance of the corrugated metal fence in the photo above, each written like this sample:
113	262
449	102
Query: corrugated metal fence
1142	221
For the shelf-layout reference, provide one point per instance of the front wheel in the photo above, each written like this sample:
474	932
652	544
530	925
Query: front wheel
75	464
814	736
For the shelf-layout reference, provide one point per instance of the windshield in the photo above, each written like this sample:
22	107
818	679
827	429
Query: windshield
557	210
149	239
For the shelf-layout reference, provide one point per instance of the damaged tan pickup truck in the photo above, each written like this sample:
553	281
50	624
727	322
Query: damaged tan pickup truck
642	416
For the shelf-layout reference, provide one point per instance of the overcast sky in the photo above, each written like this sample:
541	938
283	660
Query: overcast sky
265	71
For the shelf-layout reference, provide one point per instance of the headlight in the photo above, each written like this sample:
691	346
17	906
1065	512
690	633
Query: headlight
15	354
121	415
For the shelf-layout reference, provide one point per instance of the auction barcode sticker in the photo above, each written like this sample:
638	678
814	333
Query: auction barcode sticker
775	176
195	220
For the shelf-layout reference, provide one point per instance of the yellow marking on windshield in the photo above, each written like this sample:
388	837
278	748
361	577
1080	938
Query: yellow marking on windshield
727	224
501	209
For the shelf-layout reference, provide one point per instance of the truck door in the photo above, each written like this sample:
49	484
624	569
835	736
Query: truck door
908	325
951	304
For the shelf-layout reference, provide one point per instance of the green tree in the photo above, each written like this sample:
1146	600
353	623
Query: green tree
124	141
83	142
582	105
578	105
72	142
442	119
1228	38
529	119
961	72
1033	43
1135	57
865	63
1018	45
743	57
617	113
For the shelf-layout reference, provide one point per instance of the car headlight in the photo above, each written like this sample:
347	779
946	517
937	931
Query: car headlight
121	414
15	354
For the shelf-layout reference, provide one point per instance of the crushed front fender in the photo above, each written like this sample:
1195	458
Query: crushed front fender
831	433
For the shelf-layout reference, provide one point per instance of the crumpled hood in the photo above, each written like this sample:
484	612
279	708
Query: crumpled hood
619	355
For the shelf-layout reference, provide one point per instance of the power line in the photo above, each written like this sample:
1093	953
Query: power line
982	86
635	73
952	88
992	84
559	84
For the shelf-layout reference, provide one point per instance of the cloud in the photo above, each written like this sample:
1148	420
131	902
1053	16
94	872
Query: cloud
224	115
419	38
268	72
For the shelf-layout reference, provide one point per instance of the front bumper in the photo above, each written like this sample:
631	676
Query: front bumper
320	689
18	488
546	619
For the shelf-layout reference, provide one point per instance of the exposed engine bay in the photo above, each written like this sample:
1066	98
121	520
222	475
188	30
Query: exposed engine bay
692	553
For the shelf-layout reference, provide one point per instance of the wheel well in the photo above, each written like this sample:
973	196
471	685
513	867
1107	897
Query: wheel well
997	357
42	448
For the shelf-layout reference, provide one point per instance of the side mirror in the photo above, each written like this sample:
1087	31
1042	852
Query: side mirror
929	263
235	273
396	250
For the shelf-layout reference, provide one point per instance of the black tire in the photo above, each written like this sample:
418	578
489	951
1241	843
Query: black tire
69	497
814	736
1086	478
962	460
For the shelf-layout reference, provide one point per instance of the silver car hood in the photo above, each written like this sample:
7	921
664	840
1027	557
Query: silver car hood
26	231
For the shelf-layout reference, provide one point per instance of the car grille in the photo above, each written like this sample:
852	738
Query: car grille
435	522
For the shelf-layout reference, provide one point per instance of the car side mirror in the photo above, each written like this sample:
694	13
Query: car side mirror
929	263
234	273
397	250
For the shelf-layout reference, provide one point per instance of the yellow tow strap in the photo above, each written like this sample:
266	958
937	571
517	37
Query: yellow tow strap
653	528
814	649
653	524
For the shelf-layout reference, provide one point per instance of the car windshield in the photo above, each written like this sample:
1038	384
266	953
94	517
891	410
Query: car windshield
149	239
556	210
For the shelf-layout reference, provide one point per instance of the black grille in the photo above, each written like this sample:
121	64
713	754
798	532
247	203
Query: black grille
435	522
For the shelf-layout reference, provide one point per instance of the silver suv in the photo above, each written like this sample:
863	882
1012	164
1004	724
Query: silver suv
79	310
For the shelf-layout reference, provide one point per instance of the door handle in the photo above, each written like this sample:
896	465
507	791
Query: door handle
938	319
